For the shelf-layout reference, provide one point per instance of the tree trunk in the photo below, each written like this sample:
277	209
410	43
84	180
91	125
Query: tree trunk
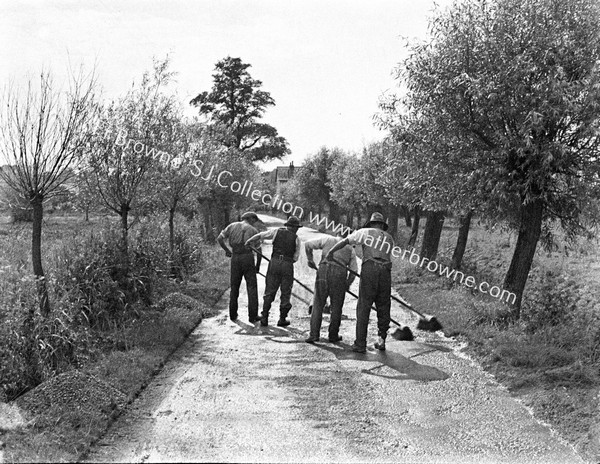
414	232
209	236
530	229
226	216
334	212
172	230
461	242
433	232
406	213
36	254
125	237
350	218
393	213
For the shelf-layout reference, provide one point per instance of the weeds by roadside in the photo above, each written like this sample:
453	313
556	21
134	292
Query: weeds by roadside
107	332
551	357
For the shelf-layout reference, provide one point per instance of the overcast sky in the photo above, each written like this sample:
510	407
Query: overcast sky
324	62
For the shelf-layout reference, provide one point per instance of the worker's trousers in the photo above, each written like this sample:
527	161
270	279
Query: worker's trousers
375	287
242	266
331	282
280	274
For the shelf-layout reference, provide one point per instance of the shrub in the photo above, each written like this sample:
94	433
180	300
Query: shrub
551	298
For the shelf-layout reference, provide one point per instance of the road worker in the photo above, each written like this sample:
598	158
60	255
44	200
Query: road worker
332	281
242	263
375	278
280	273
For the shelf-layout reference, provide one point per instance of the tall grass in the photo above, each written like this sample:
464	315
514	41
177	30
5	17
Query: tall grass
92	299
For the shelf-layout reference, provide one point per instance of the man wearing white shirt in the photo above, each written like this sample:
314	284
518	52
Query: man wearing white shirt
332	280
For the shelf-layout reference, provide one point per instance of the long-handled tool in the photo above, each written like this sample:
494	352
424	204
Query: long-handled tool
293	294
295	280
426	322
403	333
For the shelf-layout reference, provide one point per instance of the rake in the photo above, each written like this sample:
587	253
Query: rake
404	333
426	322
293	294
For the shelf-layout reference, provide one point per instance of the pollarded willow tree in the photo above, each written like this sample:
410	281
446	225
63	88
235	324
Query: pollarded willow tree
130	140
519	82
42	132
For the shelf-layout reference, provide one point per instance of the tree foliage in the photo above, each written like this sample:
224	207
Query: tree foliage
517	84
131	138
234	107
42	131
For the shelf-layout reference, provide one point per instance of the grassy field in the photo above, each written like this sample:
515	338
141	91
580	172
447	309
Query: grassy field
94	353
551	357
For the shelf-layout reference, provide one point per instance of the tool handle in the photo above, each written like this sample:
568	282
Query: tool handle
296	280
401	301
373	307
293	294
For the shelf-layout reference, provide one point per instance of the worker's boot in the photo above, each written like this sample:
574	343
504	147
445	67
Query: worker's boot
380	345
283	322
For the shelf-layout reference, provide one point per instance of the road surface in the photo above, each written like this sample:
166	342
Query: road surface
239	392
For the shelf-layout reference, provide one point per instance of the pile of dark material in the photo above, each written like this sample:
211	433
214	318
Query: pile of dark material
73	391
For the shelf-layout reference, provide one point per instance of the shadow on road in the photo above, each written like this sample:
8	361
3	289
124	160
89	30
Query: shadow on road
271	332
407	369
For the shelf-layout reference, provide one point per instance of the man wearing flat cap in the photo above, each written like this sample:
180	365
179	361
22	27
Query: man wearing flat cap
280	273
375	278
242	263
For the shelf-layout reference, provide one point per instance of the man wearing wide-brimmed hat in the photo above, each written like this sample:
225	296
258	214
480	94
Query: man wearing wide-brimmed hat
280	273
375	278
242	263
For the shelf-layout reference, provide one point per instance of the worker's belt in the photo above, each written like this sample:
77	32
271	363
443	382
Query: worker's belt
281	258
332	263
379	262
245	252
241	250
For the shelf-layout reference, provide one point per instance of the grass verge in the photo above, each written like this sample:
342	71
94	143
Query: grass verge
545	366
59	419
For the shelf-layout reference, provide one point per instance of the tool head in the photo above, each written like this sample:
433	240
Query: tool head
403	334
430	324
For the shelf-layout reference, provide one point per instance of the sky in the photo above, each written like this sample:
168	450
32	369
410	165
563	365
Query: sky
325	62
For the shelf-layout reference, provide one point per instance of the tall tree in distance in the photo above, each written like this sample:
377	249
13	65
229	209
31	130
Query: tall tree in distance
234	107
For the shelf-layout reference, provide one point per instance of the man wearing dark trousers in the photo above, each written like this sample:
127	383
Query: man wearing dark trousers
375	279
242	263
280	273
332	280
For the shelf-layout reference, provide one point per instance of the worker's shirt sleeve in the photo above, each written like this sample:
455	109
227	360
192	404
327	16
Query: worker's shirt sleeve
315	244
257	239
298	248
226	232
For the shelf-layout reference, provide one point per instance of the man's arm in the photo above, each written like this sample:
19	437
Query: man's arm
353	266
298	247
257	239
338	246
221	240
315	244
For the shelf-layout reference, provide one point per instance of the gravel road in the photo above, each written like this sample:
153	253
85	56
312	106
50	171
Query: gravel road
238	392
